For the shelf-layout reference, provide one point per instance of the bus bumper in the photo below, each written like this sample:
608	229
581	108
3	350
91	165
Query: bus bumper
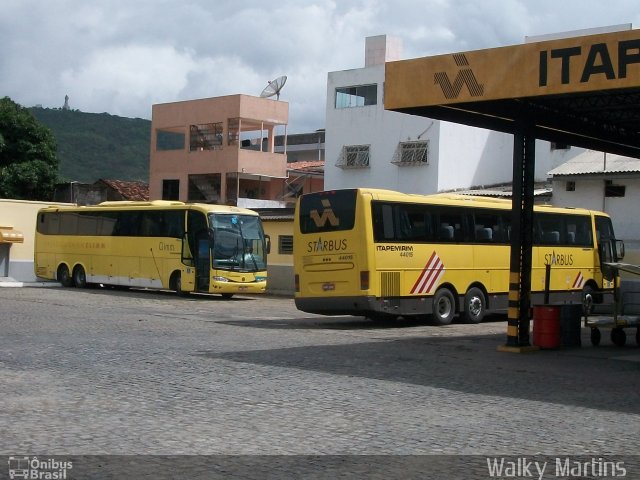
231	287
338	305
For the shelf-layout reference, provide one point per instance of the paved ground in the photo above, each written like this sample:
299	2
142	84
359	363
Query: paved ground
107	372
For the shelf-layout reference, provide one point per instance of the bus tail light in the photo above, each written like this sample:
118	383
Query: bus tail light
296	280
364	280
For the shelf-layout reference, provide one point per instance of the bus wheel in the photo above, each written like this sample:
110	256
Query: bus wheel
227	295
80	277
587	299
64	277
175	284
475	305
443	307
618	337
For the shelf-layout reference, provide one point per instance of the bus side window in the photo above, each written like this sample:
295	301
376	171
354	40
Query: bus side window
387	222
127	224
445	233
173	225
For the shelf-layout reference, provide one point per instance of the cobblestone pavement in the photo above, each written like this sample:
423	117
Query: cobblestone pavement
91	372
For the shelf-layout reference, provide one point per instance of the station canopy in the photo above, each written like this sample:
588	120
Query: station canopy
582	91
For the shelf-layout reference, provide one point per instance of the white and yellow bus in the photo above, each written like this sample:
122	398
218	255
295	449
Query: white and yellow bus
384	254
159	244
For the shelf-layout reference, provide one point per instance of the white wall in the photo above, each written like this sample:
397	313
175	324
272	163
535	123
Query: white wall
471	157
383	130
548	159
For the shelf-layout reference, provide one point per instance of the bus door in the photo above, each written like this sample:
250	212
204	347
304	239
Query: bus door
609	249
203	261
200	246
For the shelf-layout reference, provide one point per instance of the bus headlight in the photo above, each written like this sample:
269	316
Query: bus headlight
260	278
220	279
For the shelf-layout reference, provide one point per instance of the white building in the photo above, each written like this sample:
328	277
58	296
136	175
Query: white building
606	182
367	146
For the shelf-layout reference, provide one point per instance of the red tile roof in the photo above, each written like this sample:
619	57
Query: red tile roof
138	191
317	166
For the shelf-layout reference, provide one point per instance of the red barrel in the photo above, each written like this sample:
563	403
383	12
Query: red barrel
546	326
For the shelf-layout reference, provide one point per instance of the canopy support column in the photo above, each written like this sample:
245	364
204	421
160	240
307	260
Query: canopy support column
521	236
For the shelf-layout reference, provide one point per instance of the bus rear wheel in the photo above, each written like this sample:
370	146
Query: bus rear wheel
587	300
64	277
79	277
443	307
227	296
475	306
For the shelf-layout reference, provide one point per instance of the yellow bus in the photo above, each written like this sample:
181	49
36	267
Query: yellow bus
384	254
159	244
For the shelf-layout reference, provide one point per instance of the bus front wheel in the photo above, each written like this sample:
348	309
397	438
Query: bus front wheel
475	306
80	277
64	277
443	307
176	284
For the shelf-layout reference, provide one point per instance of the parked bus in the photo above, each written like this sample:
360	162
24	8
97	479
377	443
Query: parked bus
384	254
159	244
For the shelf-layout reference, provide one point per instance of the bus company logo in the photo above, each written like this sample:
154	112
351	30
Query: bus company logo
430	275
579	281
34	468
327	215
465	76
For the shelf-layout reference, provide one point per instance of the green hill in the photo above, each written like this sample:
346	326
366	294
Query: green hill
92	146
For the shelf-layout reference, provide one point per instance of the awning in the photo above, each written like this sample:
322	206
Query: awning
9	235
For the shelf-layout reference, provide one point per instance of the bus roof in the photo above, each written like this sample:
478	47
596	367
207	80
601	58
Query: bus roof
153	205
457	199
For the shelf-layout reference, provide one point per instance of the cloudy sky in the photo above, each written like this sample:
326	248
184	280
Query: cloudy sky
122	56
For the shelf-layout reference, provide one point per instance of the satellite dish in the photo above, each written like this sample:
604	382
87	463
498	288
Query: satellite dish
274	87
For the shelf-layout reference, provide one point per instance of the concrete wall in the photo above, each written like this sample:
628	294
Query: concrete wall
279	266
22	215
589	193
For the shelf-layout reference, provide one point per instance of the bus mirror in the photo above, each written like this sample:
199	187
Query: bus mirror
619	253
267	240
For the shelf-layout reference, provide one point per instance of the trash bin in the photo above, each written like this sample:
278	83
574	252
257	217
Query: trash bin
571	324
546	326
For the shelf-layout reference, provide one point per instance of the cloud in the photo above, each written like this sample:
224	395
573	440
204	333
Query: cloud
121	56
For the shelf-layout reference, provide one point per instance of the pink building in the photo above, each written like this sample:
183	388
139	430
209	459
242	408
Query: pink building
219	150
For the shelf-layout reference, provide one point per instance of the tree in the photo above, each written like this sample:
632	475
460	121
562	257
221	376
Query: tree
28	160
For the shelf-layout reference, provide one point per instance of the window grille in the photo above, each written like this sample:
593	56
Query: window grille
205	137
285	244
354	156
412	153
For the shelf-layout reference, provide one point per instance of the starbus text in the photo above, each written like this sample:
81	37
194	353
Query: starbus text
327	245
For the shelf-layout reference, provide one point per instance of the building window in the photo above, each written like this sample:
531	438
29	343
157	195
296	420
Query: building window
171	190
207	136
611	190
233	131
412	153
571	186
354	156
168	140
357	96
204	188
285	244
559	146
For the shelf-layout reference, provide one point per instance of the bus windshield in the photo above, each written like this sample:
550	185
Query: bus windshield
238	242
